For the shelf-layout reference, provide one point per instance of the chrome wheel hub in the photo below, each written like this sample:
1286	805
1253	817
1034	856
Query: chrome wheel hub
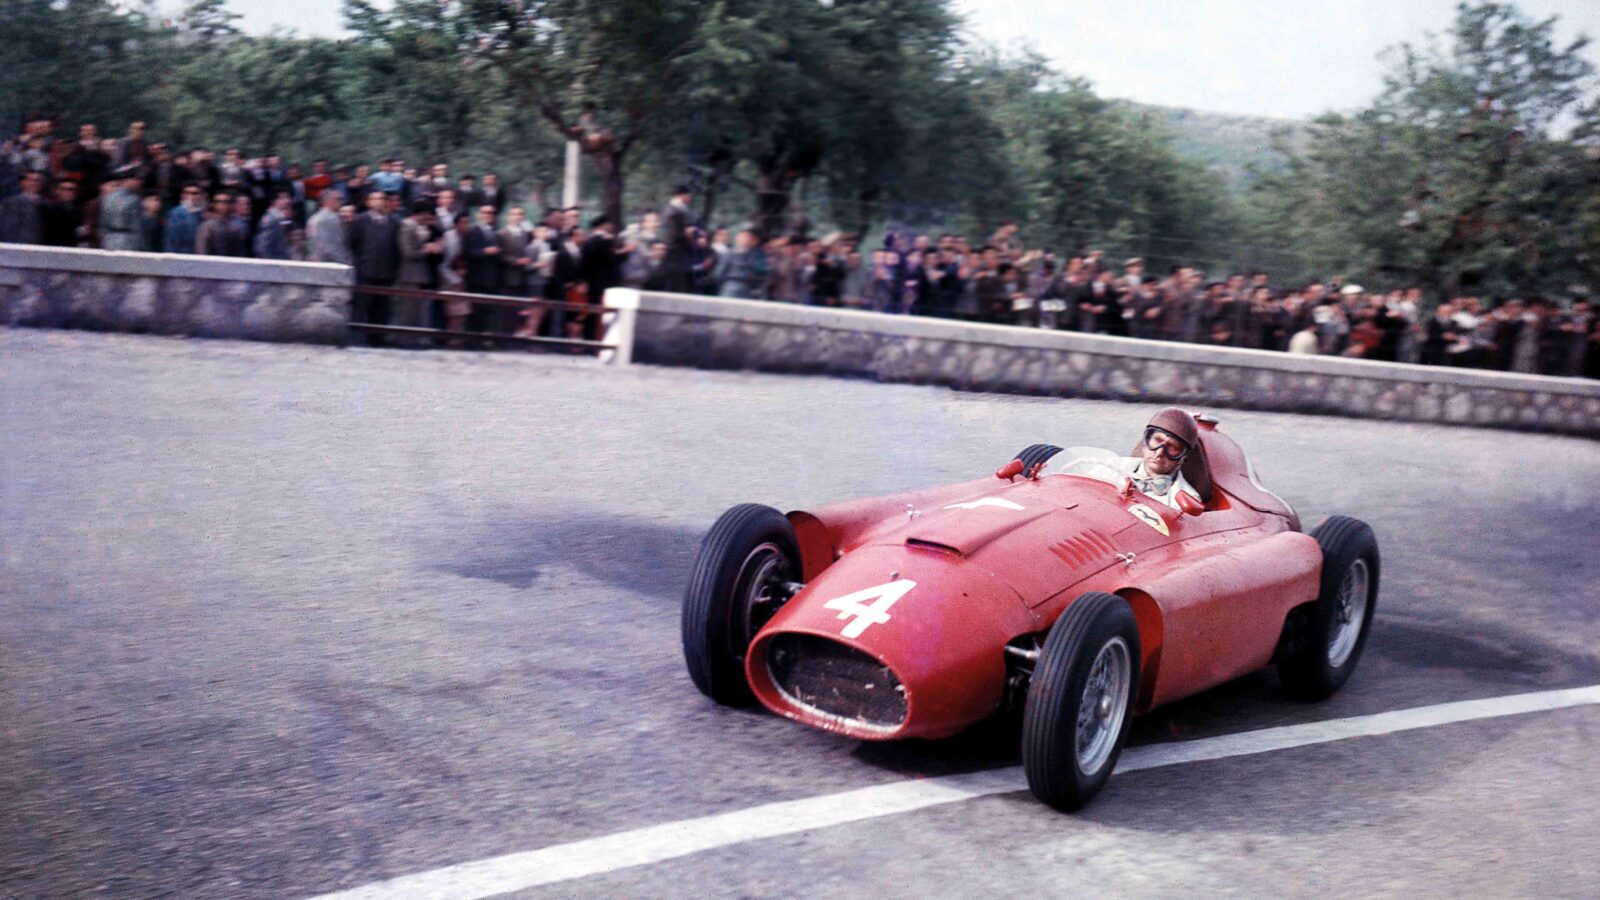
758	594
1350	612
1104	705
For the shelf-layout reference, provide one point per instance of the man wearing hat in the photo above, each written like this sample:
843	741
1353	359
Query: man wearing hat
680	246
1156	469
119	212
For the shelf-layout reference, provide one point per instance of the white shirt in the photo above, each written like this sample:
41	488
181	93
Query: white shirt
1162	489
1304	342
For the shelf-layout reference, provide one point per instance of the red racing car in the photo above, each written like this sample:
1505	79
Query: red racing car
1064	592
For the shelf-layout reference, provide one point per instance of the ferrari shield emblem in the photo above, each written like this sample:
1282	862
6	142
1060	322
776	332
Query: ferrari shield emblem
1149	516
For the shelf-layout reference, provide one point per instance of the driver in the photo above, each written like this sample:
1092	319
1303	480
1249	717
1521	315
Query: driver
1157	471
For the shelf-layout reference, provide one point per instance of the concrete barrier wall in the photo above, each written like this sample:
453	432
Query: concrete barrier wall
159	293
680	330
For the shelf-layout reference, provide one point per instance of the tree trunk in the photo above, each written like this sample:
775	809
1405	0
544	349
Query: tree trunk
721	163
772	203
613	180
611	187
866	203
709	204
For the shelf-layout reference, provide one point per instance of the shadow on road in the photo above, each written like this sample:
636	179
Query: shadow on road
644	557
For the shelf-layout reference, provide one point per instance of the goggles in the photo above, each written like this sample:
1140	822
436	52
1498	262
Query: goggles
1166	443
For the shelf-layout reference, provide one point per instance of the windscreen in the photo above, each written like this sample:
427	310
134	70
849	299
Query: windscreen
1090	462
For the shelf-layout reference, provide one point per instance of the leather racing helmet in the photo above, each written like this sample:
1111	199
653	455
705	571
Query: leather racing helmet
1181	425
1177	423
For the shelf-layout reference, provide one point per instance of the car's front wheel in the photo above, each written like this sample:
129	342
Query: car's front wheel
1336	624
1080	701
738	581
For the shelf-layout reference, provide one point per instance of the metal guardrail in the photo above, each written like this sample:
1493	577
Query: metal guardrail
582	310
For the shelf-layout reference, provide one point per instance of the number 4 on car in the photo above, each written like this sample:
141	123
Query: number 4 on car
1076	599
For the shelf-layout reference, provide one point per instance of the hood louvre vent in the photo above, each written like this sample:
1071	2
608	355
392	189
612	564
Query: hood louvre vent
1083	550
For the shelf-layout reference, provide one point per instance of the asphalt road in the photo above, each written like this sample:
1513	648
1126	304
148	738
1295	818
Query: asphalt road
278	620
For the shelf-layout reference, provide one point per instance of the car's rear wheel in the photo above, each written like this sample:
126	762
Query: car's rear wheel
1337	623
736	585
1080	701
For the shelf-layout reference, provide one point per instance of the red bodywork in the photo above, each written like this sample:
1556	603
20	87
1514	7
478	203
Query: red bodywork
1210	595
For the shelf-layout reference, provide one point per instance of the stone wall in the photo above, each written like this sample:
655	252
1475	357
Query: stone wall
678	330
159	293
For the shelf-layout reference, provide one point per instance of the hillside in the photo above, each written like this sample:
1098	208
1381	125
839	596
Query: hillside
1229	144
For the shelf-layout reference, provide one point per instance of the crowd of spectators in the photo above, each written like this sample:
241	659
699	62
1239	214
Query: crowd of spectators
424	229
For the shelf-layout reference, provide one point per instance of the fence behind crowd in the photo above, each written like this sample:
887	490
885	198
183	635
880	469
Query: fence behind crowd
684	330
414	317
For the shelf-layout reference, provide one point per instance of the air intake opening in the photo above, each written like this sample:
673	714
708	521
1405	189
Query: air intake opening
932	545
831	680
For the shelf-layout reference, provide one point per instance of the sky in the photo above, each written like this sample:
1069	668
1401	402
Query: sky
1290	59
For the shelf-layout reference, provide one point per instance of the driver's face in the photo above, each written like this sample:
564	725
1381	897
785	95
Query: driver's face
1156	458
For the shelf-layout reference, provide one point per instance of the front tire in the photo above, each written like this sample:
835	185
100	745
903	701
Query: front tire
1341	616
734	588
1080	701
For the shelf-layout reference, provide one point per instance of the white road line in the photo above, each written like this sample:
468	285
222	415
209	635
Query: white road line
642	846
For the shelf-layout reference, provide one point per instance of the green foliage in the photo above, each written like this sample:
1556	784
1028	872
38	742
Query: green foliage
1077	171
794	90
423	95
261	94
1455	178
1238	148
82	59
1475	169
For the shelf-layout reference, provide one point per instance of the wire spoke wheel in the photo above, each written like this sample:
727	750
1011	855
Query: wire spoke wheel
1080	700
1331	631
756	595
1104	705
1350	613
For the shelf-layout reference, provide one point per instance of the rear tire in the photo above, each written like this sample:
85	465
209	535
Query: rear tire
1034	456
1338	621
744	556
1080	701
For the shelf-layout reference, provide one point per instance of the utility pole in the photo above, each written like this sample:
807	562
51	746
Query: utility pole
569	185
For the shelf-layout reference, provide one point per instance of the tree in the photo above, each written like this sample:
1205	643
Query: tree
264	93
605	73
1456	176
86	60
1076	171
795	89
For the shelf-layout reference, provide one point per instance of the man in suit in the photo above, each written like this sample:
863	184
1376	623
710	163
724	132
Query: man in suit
481	246
374	248
566	255
493	194
599	267
468	197
21	217
416	247
87	165
516	258
679	240
1082	312
272	231
326	235
211	238
133	150
1145	303
516	238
